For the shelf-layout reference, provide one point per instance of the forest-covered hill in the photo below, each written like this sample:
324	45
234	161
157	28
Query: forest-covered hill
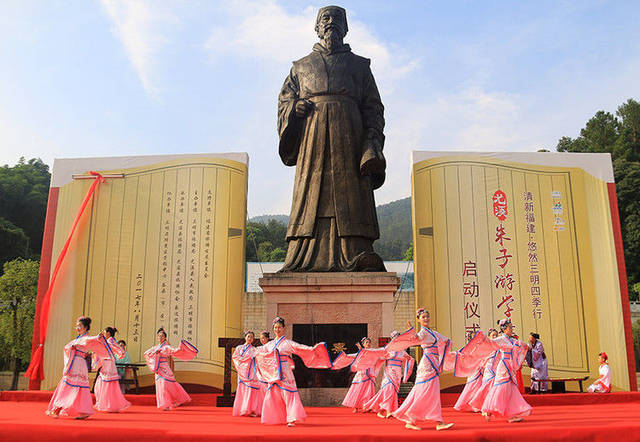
266	233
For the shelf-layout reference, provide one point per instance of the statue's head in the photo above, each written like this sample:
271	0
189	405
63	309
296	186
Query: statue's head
331	20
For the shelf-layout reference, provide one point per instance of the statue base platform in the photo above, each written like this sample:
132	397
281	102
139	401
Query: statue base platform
310	303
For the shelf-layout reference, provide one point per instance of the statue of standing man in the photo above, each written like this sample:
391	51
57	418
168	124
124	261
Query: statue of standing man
330	122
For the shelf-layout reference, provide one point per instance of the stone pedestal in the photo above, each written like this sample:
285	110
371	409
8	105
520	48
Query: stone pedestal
332	298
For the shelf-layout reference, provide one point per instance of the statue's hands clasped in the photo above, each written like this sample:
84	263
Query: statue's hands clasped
303	107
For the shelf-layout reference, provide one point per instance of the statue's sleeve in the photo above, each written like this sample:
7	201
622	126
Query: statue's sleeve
288	125
372	161
372	110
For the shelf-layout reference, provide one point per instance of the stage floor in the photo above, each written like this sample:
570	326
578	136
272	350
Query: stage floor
564	417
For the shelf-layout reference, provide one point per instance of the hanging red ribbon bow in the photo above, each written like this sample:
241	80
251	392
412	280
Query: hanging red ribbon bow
35	370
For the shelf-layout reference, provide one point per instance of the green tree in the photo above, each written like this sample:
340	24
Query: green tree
618	135
264	251
24	192
263	239
408	254
13	241
277	255
627	175
18	287
629	114
599	135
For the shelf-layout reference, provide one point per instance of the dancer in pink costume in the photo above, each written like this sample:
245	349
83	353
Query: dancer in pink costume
282	402
488	375
363	385
72	397
264	338
478	384
399	366
503	398
423	402
169	393
473	384
109	396
249	395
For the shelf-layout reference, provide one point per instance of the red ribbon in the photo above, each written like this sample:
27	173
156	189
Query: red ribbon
36	369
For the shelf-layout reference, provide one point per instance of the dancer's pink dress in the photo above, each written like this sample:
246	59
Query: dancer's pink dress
72	394
398	369
109	396
488	375
363	385
504	398
423	402
474	383
282	402
249	394
169	393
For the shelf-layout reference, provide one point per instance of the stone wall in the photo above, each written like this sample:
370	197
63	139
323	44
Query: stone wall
404	310
254	310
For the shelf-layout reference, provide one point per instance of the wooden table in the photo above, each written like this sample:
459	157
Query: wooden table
134	369
558	385
134	381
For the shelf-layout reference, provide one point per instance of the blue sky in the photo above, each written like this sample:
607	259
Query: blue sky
135	77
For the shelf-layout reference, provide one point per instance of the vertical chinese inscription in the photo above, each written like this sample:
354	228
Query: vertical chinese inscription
137	308
193	245
178	276
532	255
471	292
208	217
166	255
186	251
504	279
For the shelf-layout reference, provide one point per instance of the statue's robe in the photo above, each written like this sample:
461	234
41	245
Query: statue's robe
333	219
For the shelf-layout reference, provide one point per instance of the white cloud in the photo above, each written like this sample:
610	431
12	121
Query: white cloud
266	32
489	120
469	119
142	26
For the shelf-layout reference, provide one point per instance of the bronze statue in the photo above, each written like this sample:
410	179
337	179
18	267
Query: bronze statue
330	122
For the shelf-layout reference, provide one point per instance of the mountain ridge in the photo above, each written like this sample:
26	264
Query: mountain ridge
394	221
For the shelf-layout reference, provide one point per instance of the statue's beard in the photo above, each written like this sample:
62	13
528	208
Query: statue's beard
332	39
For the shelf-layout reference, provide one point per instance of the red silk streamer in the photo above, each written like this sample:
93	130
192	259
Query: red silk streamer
36	369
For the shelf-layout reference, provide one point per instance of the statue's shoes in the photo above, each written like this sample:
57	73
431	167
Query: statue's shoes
369	262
